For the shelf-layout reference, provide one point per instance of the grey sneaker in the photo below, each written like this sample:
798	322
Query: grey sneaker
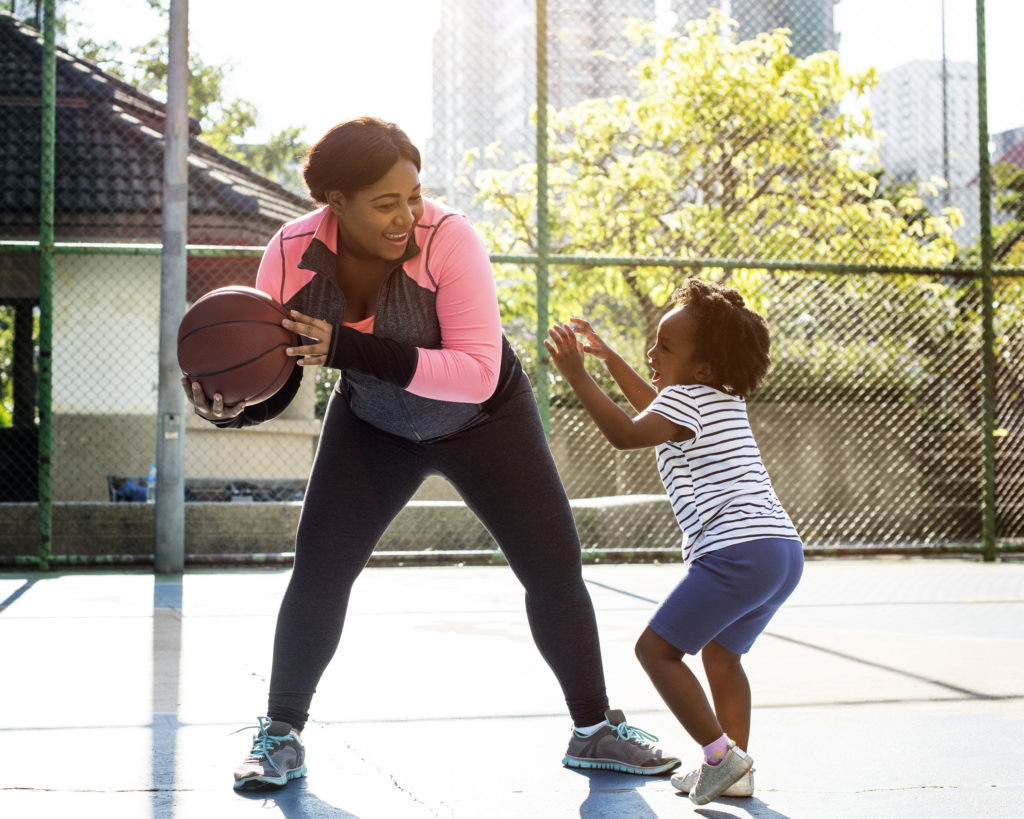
741	788
277	756
714	780
618	747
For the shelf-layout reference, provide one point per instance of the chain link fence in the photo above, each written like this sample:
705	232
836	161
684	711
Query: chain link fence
739	144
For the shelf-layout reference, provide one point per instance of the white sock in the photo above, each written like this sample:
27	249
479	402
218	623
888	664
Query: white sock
590	730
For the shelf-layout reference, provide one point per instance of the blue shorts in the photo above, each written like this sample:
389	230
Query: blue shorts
729	595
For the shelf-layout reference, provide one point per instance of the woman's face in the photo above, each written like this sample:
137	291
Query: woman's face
377	221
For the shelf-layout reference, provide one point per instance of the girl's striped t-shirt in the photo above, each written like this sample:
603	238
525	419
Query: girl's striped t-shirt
716	481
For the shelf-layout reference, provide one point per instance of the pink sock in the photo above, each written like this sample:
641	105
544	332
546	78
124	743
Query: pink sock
716	751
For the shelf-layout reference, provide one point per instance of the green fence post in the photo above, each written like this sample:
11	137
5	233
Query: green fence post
543	236
46	253
988	525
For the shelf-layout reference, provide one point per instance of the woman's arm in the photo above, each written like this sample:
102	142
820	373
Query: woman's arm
466	366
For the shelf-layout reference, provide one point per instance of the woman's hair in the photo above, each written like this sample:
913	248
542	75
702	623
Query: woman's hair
730	337
355	154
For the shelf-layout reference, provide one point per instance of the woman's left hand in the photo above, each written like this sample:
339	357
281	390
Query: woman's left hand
311	355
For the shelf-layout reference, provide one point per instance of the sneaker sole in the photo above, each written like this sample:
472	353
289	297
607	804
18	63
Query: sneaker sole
610	765
264	783
734	791
713	794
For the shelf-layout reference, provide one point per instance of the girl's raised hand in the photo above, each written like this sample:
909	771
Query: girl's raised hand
594	345
566	352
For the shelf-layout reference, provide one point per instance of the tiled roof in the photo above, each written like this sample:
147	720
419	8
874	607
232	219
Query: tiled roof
109	158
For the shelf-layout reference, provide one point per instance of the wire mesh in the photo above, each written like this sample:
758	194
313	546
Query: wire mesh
745	142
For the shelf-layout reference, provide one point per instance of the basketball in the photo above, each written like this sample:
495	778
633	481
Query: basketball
231	341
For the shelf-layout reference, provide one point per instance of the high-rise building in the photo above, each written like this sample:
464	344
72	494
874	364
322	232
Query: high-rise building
923	137
919	139
810	22
485	79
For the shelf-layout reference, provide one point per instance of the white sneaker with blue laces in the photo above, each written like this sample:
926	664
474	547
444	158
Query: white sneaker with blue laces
277	756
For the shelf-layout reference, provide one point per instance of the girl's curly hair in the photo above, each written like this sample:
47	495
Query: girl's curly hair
729	336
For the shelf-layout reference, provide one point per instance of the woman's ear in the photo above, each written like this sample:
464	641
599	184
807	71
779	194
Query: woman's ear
336	201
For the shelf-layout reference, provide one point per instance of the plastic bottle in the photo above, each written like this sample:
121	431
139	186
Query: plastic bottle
151	484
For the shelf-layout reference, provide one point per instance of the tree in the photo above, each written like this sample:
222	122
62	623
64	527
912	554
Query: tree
729	149
224	121
1008	237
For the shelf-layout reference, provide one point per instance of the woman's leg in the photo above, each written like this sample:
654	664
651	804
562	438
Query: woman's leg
504	470
360	480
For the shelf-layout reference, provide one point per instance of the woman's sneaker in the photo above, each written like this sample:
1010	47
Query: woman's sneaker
714	780
618	746
277	756
742	787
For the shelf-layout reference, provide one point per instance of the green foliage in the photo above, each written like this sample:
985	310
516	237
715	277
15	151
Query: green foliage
1008	196
224	121
730	150
6	365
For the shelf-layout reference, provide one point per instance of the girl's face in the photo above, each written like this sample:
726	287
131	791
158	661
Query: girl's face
672	356
377	221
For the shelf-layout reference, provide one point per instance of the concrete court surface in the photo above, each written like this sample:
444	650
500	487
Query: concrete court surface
884	688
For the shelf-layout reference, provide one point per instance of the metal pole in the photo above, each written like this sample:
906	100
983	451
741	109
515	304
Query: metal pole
945	114
46	253
543	227
988	526
170	428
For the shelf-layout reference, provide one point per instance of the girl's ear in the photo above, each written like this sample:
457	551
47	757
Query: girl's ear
703	373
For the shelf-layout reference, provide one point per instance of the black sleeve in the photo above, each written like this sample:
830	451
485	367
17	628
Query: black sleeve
265	410
382	358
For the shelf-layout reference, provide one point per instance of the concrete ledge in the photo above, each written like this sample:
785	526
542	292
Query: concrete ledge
95	528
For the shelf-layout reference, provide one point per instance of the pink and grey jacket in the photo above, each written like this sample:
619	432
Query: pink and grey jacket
433	358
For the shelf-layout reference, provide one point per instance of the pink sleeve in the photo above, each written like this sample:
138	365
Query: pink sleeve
270	277
467	365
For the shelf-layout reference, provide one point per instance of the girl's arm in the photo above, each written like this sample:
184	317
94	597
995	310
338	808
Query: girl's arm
622	432
638	391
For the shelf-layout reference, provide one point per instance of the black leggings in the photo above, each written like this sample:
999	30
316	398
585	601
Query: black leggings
362	478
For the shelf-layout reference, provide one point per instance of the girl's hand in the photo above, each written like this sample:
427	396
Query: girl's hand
310	355
566	352
594	345
210	409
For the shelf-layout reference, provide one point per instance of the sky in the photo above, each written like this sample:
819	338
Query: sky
312	63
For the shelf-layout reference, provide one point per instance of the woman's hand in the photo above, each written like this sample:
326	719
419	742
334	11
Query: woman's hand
594	345
211	410
566	352
320	331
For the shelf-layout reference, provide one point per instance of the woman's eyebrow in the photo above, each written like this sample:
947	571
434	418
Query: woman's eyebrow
395	195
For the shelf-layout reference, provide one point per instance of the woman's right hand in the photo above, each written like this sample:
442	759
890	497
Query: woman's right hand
594	345
211	410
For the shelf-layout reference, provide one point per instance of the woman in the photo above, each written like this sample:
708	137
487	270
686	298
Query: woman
397	292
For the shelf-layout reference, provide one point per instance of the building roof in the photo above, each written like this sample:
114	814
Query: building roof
109	159
1015	155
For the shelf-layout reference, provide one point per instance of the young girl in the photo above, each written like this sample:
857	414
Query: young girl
743	555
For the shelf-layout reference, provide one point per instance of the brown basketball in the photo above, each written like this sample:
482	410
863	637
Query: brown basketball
232	342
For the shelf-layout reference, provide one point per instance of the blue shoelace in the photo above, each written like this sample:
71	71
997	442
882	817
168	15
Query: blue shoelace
631	734
263	743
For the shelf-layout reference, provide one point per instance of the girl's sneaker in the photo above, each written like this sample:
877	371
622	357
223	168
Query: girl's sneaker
277	756
714	780
742	787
